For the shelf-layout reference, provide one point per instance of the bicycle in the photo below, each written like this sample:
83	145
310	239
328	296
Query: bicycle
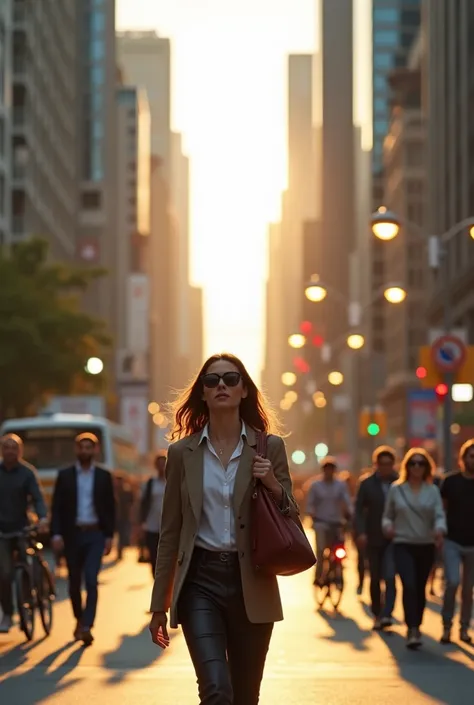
331	583
33	582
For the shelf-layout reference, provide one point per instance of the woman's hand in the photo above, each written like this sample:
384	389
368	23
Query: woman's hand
263	470
158	630
389	532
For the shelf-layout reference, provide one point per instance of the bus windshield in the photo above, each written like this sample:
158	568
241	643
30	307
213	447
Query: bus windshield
50	448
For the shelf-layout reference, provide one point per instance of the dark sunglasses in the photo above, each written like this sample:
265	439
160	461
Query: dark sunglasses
230	379
421	463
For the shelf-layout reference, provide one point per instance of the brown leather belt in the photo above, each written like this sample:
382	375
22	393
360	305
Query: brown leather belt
87	527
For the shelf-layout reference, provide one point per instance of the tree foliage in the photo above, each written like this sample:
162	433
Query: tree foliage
45	338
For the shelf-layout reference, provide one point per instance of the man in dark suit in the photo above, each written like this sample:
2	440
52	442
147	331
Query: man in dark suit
83	524
370	504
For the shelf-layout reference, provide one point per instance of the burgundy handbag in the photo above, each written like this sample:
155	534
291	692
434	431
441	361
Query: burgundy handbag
279	543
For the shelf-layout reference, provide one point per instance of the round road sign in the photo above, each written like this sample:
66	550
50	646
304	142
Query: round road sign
449	353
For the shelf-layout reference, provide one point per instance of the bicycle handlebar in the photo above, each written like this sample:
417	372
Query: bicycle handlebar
22	533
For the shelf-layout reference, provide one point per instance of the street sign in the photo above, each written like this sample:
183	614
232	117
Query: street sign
464	375
449	353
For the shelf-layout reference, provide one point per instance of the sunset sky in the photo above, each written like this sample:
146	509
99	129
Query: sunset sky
229	101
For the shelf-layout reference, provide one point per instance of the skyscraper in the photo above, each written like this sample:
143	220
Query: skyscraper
6	37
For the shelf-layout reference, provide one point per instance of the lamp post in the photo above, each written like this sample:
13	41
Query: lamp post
386	225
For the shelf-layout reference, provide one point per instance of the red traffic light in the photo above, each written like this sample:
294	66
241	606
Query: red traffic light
301	365
306	327
318	341
421	372
441	390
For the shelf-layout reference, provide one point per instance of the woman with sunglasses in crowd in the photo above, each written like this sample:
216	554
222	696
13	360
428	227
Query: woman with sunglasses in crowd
204	572
414	519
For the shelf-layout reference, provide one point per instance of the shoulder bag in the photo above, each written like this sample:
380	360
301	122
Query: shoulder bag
279	543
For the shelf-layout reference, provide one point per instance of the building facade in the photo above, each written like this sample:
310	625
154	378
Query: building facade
6	39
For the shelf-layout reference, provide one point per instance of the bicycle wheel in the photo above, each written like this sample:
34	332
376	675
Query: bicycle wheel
336	587
322	589
45	594
25	600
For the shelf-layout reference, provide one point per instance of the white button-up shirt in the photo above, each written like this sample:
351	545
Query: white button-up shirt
217	526
86	513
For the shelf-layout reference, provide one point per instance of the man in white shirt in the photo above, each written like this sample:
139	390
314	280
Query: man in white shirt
151	507
83	525
329	506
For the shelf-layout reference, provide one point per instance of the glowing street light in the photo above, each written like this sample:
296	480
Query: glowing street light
315	292
286	404
298	457
335	378
395	294
356	341
94	366
291	396
471	231
321	450
153	408
319	401
385	224
288	379
297	340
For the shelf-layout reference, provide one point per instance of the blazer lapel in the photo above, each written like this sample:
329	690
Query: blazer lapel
193	459
244	475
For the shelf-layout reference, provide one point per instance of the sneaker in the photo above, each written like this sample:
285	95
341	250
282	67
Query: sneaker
446	636
386	622
464	636
360	590
78	631
6	624
413	640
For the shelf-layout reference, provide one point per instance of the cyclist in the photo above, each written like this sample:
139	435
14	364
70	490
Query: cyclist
18	486
329	505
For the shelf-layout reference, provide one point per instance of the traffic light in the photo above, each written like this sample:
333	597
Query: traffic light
441	391
421	372
372	422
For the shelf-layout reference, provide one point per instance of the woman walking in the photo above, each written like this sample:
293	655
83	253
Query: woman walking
204	571
414	519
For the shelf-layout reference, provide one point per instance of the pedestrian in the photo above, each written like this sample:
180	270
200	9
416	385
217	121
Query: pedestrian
370	505
414	520
83	524
204	569
18	487
457	491
151	507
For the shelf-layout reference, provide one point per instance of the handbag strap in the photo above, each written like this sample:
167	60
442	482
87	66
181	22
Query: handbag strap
262	443
410	505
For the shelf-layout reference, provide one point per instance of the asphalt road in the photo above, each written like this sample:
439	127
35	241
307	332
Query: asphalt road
315	657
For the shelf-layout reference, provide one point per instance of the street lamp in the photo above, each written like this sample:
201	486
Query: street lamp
471	231
384	224
335	378
315	291
355	341
288	379
395	294
94	366
297	340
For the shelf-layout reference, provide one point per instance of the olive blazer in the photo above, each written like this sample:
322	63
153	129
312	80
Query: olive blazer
182	506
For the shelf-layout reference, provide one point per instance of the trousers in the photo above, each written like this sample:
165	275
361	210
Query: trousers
455	558
84	558
382	568
414	563
227	650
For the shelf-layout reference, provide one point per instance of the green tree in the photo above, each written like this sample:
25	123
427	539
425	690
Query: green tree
45	338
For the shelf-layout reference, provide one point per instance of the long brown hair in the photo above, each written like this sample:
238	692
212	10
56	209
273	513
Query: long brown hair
430	465
191	413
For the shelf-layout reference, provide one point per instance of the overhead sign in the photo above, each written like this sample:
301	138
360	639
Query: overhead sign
449	353
463	375
422	416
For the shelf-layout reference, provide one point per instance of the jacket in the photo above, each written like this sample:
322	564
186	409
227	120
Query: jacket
369	508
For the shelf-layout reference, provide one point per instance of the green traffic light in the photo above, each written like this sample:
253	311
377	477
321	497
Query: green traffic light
373	429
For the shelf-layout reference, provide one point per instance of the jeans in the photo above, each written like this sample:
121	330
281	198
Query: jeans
361	558
84	554
382	567
151	541
227	650
455	556
413	563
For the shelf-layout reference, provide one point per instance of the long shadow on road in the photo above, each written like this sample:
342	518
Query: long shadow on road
136	652
431	671
38	683
345	630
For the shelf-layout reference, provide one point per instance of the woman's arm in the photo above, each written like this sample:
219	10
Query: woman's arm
439	513
171	521
389	511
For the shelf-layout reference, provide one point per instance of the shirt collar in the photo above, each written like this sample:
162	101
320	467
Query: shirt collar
80	470
205	433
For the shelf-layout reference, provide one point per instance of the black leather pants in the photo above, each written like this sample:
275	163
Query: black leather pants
228	651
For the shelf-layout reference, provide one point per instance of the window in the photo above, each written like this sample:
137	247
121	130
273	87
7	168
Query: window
380	105
385	14
2	195
383	61
387	38
97	171
96	50
91	200
380	83
381	127
97	22
96	76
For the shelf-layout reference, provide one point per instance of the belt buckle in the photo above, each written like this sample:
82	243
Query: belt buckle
224	556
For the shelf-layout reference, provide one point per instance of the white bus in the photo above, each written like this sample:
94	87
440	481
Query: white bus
49	445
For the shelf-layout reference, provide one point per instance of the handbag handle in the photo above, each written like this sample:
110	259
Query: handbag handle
262	444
